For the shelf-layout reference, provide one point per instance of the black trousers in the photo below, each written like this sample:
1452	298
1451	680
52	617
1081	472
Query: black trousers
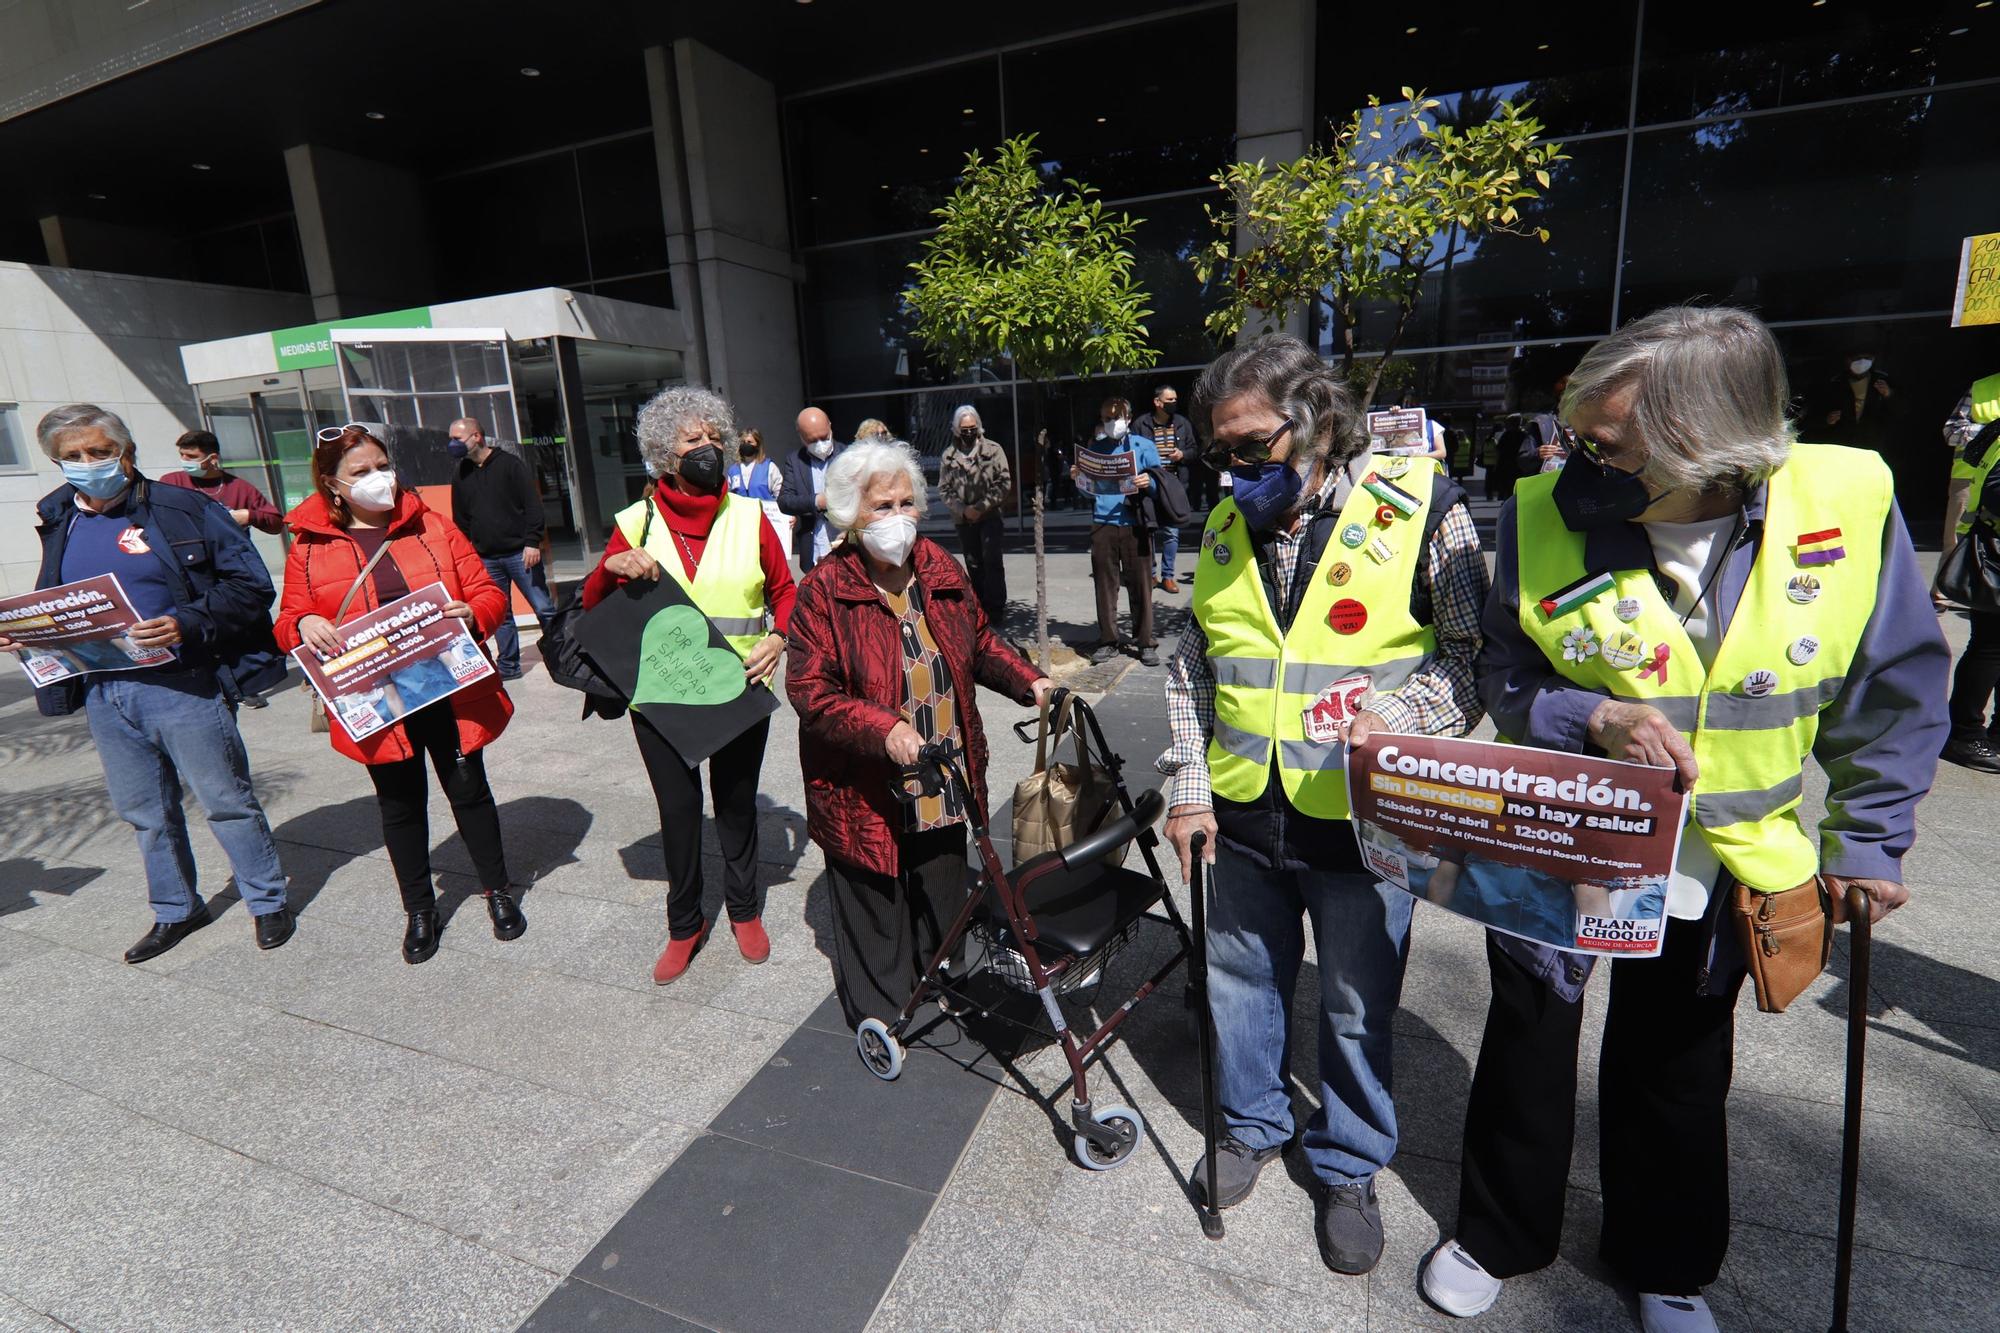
982	543
1663	1078
1204	487
1978	672
732	781
1122	557
886	927
404	798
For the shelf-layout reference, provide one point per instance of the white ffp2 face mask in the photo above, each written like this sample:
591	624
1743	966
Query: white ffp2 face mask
820	448
1861	365
1115	428
890	539
375	492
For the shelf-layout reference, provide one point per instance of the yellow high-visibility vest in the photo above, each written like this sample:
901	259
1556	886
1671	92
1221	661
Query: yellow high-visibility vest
1266	678
1985	410
1751	716
729	585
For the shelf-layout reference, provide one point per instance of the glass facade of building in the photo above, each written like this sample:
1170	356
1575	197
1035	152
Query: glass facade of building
1816	163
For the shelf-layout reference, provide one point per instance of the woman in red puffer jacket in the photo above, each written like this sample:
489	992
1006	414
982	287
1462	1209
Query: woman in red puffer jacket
357	509
887	642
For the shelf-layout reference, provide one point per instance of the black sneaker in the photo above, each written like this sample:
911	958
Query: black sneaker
1236	1166
1350	1228
1975	752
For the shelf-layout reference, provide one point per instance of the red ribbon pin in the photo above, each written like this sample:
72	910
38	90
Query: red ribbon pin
1657	665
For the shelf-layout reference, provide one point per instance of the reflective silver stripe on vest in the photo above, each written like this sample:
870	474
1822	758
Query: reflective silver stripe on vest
1720	809
1311	757
1682	710
729	627
1740	712
1311	678
1250	673
1242	744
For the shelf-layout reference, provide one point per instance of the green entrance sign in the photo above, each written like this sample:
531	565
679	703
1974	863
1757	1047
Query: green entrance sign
308	345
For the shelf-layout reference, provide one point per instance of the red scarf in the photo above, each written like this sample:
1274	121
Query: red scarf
690	517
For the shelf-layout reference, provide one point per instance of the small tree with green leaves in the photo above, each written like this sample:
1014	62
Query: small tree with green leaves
1037	275
1395	197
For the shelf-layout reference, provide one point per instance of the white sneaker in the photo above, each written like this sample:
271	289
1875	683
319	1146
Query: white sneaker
1674	1314
1456	1284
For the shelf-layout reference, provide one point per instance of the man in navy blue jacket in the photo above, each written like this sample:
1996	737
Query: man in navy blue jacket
205	597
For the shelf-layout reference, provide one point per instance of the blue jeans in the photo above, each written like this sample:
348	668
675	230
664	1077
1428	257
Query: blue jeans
155	730
1170	550
510	572
1255	945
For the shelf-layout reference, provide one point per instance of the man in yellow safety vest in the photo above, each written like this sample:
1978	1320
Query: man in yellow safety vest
1334	590
1693	589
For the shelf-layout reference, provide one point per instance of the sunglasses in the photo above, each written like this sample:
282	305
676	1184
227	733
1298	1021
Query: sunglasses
328	434
1594	450
1250	453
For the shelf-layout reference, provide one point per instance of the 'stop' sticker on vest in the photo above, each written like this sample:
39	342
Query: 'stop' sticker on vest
1353	535
1803	650
1818	548
1340	573
1760	683
1347	616
1627	609
1803	589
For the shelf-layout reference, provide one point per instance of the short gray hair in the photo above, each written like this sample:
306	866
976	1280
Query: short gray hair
1291	377
847	477
668	412
80	416
967	410
1711	398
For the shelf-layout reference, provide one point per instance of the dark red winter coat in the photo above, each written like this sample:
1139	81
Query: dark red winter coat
844	673
427	548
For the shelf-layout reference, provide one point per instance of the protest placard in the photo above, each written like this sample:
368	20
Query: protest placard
1977	300
1114	473
1568	851
1402	430
400	657
74	628
650	640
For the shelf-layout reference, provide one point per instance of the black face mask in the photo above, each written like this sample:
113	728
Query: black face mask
1590	494
701	469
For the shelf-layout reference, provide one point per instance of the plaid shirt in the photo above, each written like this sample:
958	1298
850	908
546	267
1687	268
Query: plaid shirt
1441	699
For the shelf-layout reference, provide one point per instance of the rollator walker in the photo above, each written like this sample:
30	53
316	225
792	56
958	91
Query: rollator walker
1049	928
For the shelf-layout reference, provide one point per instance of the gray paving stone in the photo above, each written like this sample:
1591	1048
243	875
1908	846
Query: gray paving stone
18	1318
1785	1281
1084	1281
438	1141
959	1277
117	1222
576	1305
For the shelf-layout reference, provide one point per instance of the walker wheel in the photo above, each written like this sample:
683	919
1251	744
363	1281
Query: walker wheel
880	1051
1126	1123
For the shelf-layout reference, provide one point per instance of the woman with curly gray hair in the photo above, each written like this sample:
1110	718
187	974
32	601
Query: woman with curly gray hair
723	551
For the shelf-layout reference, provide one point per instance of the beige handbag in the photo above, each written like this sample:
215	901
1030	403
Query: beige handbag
316	720
1059	803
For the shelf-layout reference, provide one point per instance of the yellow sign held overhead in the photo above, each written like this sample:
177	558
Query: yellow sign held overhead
1978	299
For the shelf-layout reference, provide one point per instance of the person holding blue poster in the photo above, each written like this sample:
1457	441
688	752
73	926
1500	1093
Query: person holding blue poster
723	552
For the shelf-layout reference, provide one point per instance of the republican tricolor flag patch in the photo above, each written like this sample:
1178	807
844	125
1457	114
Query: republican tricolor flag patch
1818	548
1565	600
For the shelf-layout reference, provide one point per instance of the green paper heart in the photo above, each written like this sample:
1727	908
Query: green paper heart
676	665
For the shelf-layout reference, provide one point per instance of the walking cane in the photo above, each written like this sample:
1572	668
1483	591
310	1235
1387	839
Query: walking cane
1850	1138
1211	1217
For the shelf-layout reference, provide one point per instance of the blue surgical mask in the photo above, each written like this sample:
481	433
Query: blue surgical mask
1266	493
99	481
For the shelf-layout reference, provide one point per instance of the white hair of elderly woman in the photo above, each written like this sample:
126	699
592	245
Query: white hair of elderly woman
60	421
856	466
964	411
1710	407
669	412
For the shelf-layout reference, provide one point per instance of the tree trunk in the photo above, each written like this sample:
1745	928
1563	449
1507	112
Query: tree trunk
1041	589
1388	350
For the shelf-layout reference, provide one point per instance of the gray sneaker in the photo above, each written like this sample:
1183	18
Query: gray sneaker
1236	1166
1350	1228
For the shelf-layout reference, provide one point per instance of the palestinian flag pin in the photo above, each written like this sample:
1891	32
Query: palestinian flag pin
1818	548
1392	495
1565	600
